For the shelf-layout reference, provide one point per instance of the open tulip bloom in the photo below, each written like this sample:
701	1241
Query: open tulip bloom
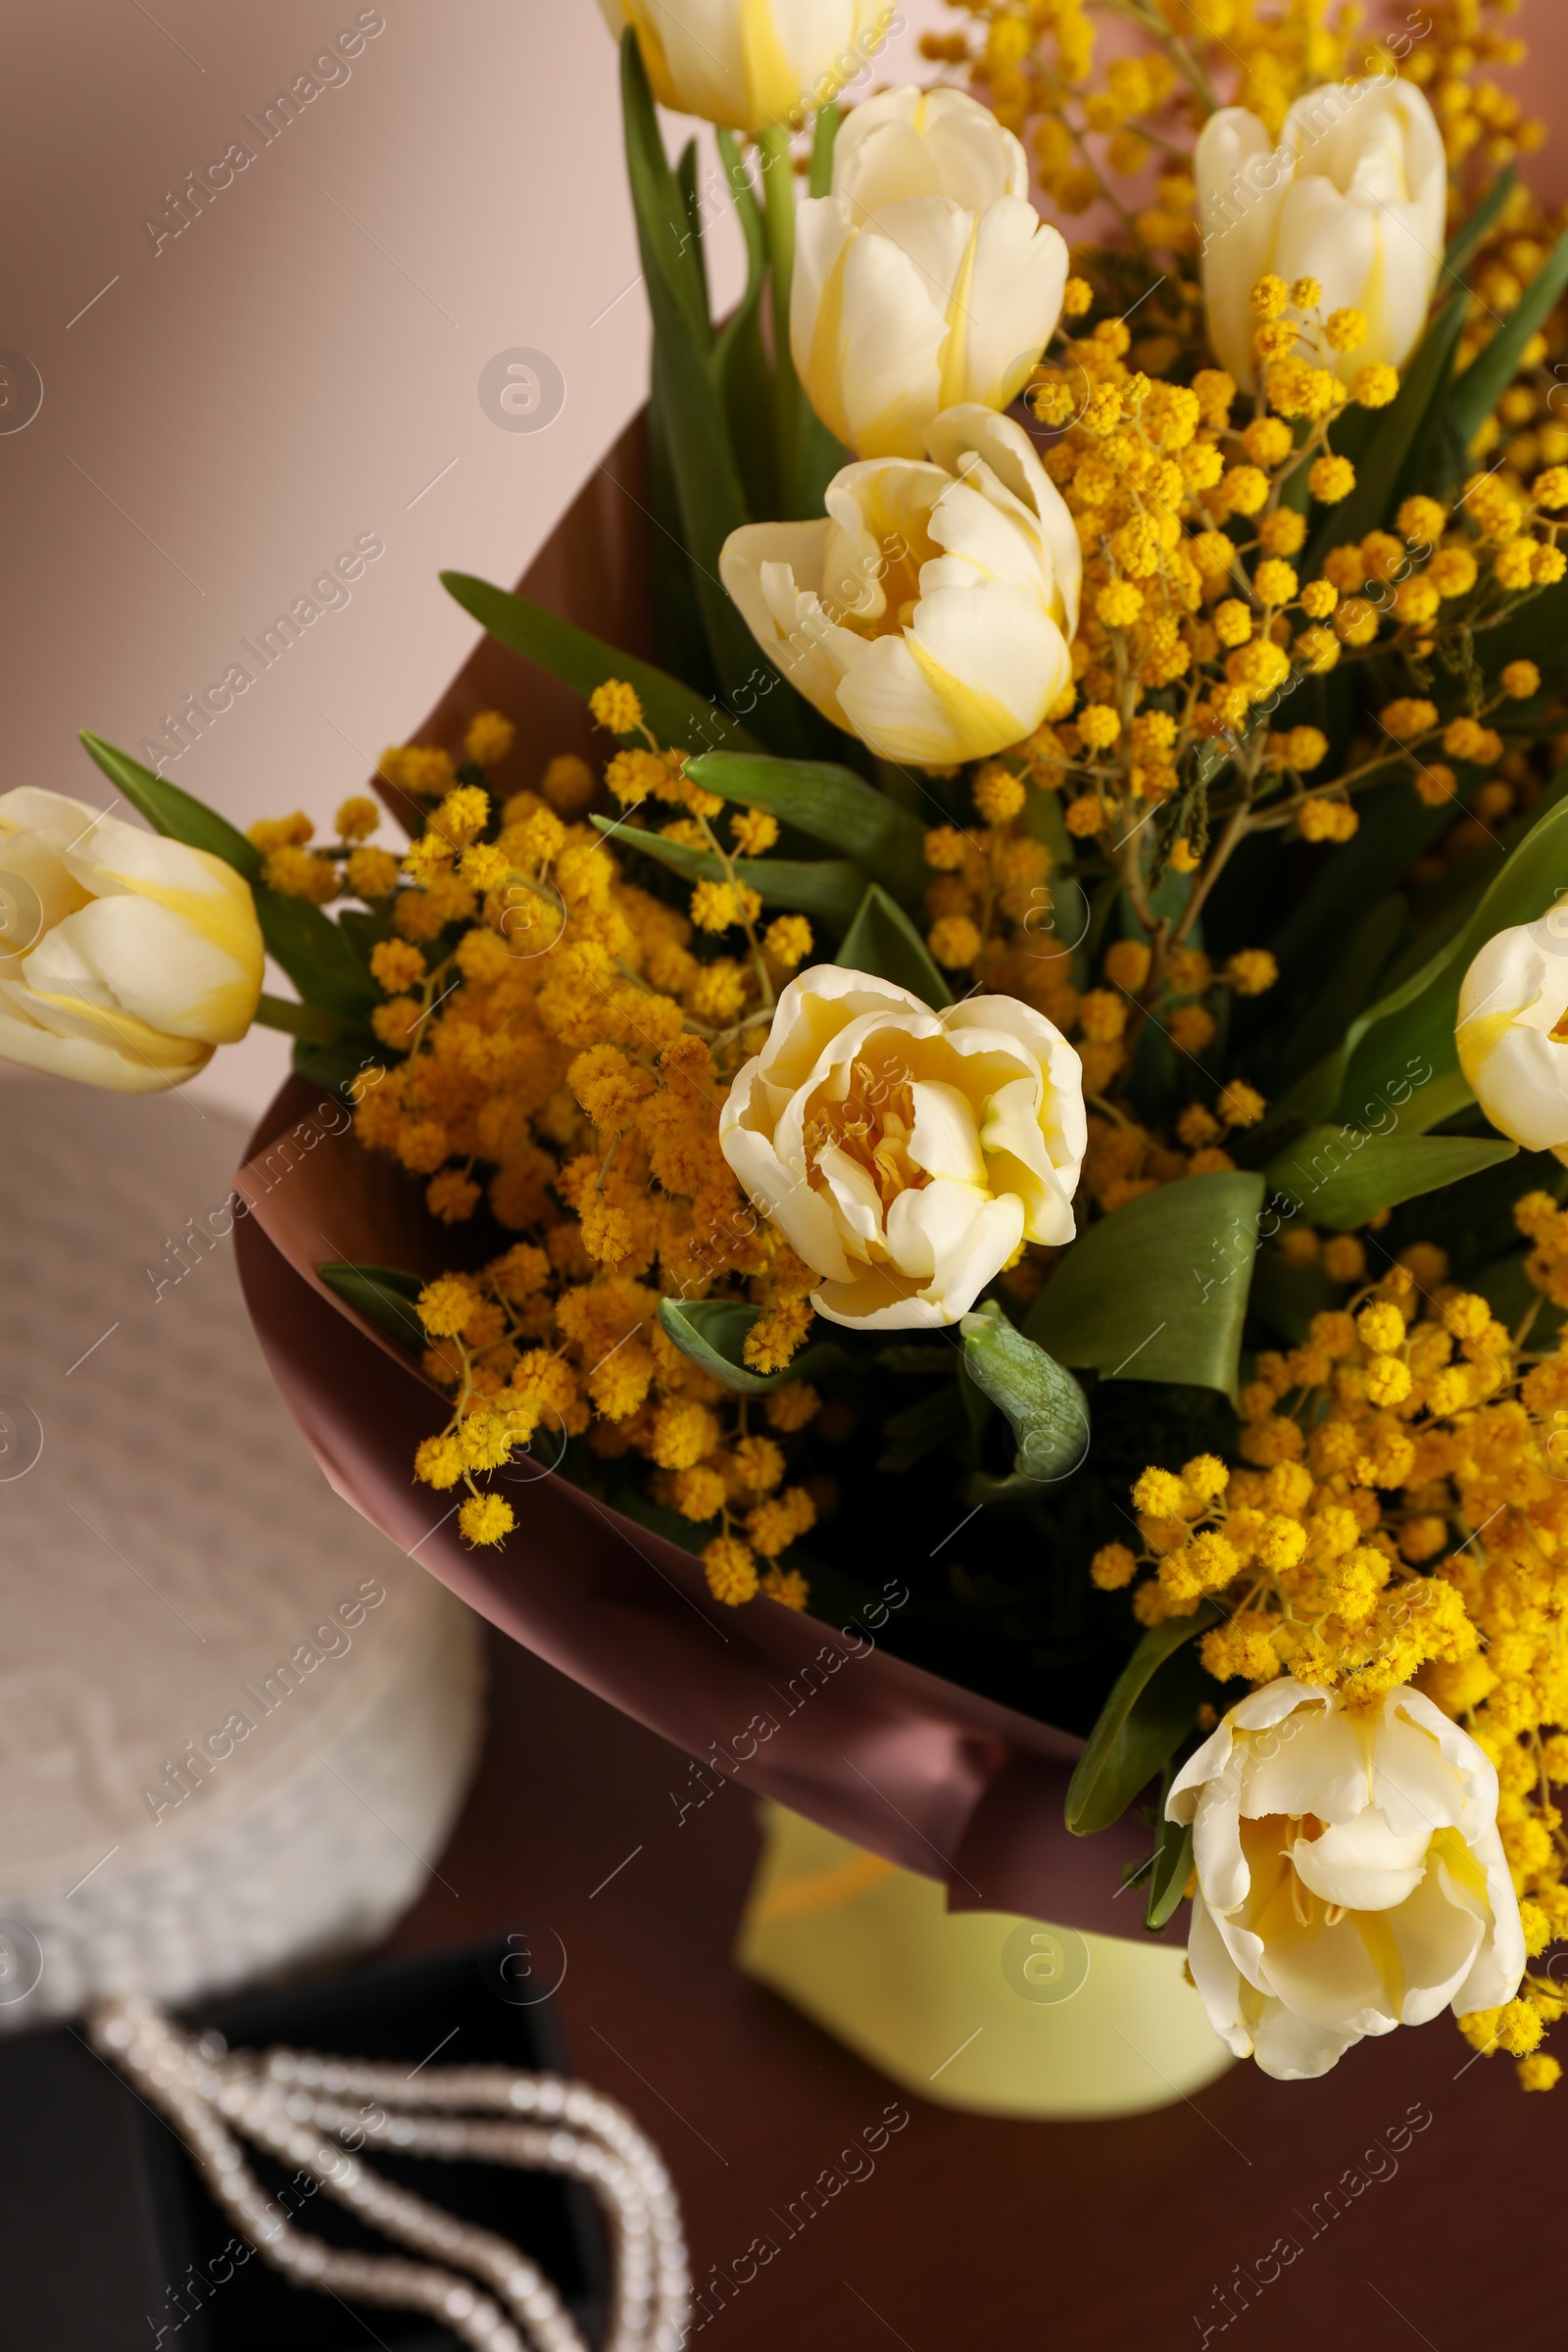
956	1058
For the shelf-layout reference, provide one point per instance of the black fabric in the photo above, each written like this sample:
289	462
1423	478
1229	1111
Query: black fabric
108	2243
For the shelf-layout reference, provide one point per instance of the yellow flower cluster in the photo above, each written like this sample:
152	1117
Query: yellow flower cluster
558	1053
1400	1513
1199	625
1091	132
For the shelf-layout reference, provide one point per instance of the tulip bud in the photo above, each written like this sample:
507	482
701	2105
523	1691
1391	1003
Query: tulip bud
751	64
125	958
1354	197
925	278
930	610
1512	1006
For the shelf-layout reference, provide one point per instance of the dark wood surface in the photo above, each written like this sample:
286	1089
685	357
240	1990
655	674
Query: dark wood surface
969	2231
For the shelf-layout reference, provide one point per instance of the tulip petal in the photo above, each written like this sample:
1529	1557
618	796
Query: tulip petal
872	339
912	142
1500	1961
1415	1783
856	1198
54	816
1438	1935
1222	1867
945	1140
880	1299
1294	2049
786	1198
1218	1979
1314	1763
149	959
1013	465
1238	197
1361	1864
90	1060
1009	306
956	1238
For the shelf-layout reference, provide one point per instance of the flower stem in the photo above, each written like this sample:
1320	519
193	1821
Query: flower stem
311	1022
778	192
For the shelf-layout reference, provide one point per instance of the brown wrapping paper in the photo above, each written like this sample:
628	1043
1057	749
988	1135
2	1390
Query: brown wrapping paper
824	1719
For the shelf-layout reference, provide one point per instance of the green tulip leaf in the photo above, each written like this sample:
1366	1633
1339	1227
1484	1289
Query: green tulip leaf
1402	1051
882	941
679	719
712	1333
1340	1177
829	887
1172	1868
1149	1711
833	805
384	1297
1157	1290
177	814
1496	364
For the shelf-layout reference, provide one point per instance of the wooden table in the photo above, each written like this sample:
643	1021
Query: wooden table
966	2231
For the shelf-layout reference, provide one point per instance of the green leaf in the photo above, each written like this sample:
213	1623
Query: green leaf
1048	1409
829	887
1173	1865
307	944
1494	367
308	1021
384	1297
692	214
1408	1036
172	813
702	454
317	957
681	642
744	378
1342	1176
682	719
920	1428
824	135
1471	234
1402	432
712	1333
1150	1708
1285	1297
1158	1289
882	941
1342	990
833	805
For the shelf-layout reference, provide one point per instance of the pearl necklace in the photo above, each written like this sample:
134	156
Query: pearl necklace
312	2112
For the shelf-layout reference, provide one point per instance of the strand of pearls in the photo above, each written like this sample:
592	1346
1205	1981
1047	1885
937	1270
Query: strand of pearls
297	2106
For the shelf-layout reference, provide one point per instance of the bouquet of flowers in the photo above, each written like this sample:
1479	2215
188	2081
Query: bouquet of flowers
1037	1057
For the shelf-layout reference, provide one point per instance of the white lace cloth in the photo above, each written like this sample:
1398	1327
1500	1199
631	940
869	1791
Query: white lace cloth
235	1724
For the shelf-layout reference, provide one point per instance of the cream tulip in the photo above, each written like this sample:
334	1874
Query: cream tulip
125	958
929	610
1351	1877
751	64
1513	1048
906	1154
925	278
1354	195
